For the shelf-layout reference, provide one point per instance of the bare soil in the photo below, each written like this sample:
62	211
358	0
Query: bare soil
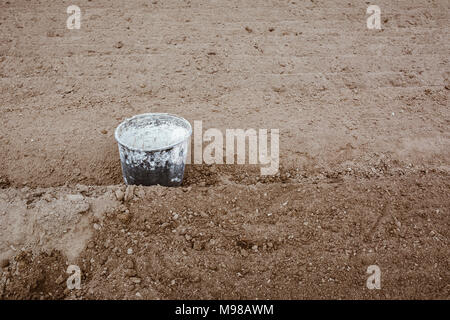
364	150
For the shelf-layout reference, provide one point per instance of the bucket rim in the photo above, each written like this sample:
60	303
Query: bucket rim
116	132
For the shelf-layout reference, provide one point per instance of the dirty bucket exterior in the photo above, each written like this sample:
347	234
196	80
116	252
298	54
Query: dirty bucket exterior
147	165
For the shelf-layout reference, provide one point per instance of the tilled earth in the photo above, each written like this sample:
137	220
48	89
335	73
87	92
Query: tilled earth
293	238
364	149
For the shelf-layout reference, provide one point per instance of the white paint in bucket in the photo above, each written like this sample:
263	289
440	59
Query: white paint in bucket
153	137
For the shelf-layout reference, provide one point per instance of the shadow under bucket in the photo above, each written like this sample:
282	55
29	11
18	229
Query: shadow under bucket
153	149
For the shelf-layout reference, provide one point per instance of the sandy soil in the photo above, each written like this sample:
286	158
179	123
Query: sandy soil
364	146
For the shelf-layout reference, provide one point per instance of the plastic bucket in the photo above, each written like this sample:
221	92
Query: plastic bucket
153	149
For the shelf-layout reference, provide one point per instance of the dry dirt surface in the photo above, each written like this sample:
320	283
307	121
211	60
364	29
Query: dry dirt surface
364	149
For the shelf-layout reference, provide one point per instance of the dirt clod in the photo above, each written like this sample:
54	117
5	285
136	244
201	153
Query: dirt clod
4	263
129	193
119	195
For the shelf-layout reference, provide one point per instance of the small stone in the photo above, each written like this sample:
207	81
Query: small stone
188	237
135	280
129	193
96	226
255	248
104	131
198	245
129	264
213	266
118	45
119	195
123	217
130	251
244	253
138	295
82	188
130	273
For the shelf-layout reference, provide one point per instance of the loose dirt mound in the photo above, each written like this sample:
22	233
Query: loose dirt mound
53	218
313	239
